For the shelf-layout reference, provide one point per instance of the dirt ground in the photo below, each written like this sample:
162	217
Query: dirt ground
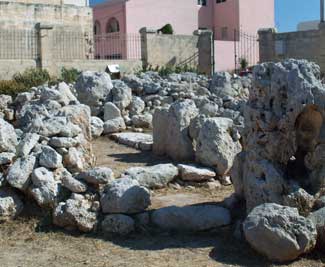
29	241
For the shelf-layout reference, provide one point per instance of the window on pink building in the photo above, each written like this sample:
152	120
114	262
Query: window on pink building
112	26
220	1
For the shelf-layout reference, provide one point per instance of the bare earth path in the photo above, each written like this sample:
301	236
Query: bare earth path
26	243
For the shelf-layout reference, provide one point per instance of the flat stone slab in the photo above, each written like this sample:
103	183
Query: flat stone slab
140	141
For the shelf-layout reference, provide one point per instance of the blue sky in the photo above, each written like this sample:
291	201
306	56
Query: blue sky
288	13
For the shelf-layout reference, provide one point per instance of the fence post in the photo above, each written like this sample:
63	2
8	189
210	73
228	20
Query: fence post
45	45
206	52
266	44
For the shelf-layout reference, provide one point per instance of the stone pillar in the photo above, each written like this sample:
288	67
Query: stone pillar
267	44
45	45
206	52
144	32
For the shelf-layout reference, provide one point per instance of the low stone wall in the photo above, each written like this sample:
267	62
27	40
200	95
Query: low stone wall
160	50
9	67
299	45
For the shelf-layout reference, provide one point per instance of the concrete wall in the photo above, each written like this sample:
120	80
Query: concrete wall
170	50
10	67
54	2
300	45
26	16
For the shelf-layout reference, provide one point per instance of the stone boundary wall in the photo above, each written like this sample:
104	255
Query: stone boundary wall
299	45
161	50
10	67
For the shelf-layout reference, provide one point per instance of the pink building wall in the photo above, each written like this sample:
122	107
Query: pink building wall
256	14
181	14
226	14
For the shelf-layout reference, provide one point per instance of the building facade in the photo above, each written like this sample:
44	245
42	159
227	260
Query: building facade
226	18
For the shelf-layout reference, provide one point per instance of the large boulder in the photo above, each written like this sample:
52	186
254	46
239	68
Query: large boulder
75	213
92	89
283	133
10	204
121	95
118	224
191	218
171	130
279	232
215	146
111	111
19	173
125	196
8	137
97	127
318	219
114	125
156	176
97	176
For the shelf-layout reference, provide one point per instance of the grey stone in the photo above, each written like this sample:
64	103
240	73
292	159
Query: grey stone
137	140
19	173
191	218
124	196
74	160
137	106
156	176
279	232
63	142
49	158
8	137
76	214
10	205
97	127
118	224
215	147
171	130
121	95
318	219
27	144
92	89
114	126
111	111
195	173
97	176
6	158
71	183
142	121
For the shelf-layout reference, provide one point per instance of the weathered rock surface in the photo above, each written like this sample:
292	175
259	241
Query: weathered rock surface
195	173
114	126
118	224
92	89
279	232
124	196
97	127
19	173
75	214
215	146
8	138
97	176
283	121
191	218
156	176
10	204
137	140
171	130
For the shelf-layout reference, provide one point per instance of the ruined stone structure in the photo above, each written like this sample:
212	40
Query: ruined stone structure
283	156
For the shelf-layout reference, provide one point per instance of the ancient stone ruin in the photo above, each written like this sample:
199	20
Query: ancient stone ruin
263	133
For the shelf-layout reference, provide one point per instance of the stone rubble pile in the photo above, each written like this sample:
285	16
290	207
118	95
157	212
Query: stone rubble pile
46	153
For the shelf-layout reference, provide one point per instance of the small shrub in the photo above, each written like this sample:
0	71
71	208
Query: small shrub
167	29
69	75
11	87
32	77
243	63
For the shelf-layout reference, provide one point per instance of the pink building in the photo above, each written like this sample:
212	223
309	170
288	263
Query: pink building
226	18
